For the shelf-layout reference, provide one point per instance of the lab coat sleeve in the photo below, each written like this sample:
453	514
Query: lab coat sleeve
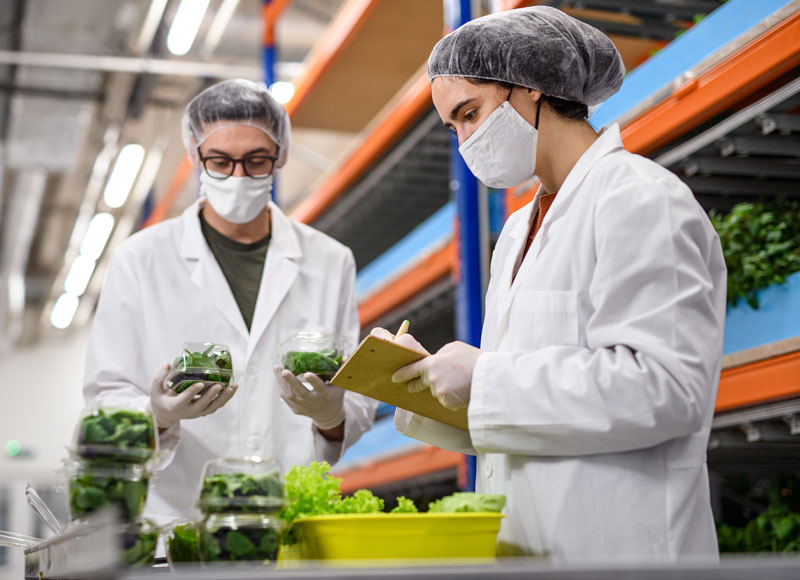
433	432
650	367
115	372
359	410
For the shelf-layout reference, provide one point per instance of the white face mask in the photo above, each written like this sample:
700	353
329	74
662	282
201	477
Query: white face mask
502	151
236	199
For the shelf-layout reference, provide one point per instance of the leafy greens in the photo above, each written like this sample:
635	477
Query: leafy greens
89	493
117	435
206	367
183	544
324	363
240	492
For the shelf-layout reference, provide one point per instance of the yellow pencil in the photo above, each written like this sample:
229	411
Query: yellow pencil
403	329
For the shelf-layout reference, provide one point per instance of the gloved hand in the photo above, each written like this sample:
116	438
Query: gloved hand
448	374
169	407
324	404
405	340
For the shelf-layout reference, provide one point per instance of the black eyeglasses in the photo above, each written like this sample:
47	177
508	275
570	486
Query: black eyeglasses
222	167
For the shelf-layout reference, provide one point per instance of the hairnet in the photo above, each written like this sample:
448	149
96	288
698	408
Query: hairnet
235	102
539	48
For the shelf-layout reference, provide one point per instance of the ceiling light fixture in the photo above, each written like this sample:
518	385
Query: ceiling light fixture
96	236
282	91
64	310
123	175
79	275
185	25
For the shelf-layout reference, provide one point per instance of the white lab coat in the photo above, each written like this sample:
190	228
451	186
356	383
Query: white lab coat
164	287
591	404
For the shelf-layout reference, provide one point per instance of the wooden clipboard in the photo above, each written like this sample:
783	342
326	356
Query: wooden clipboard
369	372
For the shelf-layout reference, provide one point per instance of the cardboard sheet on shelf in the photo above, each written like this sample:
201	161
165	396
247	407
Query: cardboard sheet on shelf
369	372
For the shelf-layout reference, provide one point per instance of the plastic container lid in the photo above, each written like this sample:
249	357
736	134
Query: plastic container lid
93	486
115	435
205	362
248	484
313	352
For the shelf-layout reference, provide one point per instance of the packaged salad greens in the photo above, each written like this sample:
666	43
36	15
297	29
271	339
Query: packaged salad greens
95	486
240	537
204	362
313	352
250	484
115	435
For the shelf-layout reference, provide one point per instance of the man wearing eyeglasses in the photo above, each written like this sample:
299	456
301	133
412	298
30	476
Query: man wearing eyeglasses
232	270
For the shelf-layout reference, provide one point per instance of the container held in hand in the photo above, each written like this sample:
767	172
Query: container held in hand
204	362
115	435
313	352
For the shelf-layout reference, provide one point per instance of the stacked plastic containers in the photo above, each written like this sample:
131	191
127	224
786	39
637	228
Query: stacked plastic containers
240	500
108	469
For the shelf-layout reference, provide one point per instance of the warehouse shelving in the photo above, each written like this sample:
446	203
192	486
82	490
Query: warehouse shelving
724	89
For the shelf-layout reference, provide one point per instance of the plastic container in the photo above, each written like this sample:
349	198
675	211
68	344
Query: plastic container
182	541
410	536
94	486
313	352
240	537
139	543
248	484
205	362
115	435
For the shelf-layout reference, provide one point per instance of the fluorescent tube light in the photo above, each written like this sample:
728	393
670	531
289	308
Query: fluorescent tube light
185	25
64	310
123	175
96	236
79	275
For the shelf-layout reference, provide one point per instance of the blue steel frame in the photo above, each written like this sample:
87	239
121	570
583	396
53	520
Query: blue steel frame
464	187
268	64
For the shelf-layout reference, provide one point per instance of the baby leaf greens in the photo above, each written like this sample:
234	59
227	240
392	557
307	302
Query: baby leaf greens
468	502
324	363
183	544
211	366
239	492
116	435
88	493
238	542
139	547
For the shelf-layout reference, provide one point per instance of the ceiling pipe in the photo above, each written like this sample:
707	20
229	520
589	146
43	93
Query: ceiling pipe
143	65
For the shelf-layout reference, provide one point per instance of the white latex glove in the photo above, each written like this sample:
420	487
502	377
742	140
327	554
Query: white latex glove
405	340
169	407
448	374
324	404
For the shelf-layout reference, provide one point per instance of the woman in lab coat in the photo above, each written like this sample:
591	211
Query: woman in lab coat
233	269
591	397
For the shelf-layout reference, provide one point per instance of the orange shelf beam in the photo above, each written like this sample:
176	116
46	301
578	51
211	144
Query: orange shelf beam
270	13
165	203
769	56
759	382
412	104
432	268
427	459
336	38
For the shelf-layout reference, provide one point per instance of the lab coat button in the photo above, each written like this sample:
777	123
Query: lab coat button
488	470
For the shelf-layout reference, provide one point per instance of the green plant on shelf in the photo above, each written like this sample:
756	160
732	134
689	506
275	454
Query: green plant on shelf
761	243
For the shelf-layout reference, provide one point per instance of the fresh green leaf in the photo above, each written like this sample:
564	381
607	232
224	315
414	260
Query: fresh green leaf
404	506
468	502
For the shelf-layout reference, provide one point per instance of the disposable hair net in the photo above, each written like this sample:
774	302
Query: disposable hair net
230	103
539	48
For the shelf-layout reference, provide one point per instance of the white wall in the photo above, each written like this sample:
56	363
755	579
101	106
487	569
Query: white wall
41	403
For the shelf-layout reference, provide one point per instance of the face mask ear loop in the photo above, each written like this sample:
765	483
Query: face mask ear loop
538	108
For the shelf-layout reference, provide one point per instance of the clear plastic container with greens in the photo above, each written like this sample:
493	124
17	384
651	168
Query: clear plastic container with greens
139	542
205	362
248	484
313	352
240	537
94	486
115	435
182	540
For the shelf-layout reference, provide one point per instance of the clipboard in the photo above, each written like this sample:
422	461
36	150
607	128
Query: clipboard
369	372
